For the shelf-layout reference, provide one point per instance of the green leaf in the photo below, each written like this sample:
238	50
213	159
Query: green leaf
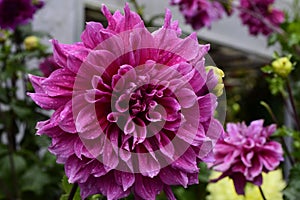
5	167
267	69
34	179
204	173
292	191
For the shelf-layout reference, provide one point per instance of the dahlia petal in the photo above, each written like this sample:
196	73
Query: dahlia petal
186	162
72	166
247	158
147	188
186	97
59	143
99	169
129	126
74	63
258	180
58	54
94	146
48	103
110	156
140	132
193	178
168	24
255	169
171	176
214	130
86	122
66	122
88	188
165	145
270	160
239	183
207	104
49	128
169	193
36	82
60	82
121	104
255	127
125	179
78	148
148	164
90	36
97	96
132	19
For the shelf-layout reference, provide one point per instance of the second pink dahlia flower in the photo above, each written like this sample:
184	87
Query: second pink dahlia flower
200	13
133	110
260	16
247	151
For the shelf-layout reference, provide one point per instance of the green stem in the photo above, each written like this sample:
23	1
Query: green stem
73	191
262	193
288	153
292	101
268	108
285	147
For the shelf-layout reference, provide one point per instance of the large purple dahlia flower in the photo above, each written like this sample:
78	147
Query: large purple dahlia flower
200	13
17	12
133	111
260	16
247	151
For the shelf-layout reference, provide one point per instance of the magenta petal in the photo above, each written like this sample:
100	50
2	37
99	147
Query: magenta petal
239	183
169	193
171	176
186	98
48	103
147	188
186	162
90	36
125	179
148	163
207	104
36	82
66	122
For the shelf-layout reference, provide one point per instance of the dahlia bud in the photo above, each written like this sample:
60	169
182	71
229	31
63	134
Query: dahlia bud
31	43
282	66
218	90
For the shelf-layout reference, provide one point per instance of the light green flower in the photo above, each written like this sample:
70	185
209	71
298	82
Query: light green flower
282	66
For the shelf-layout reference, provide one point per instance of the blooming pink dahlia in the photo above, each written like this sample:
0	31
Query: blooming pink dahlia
245	152
200	13
133	111
259	16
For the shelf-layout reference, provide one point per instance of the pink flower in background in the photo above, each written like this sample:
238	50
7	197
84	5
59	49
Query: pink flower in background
17	12
260	16
133	110
48	65
200	13
245	152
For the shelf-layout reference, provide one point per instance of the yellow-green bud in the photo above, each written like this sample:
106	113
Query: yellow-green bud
218	90
31	42
282	66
